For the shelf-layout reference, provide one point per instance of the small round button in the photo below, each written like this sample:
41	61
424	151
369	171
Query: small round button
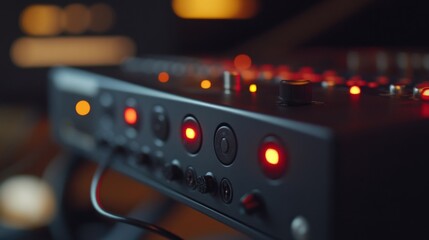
272	157
191	134
160	123
225	144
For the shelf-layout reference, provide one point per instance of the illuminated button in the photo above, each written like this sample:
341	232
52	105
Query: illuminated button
83	108
206	84
253	88
163	77
421	91
425	94
354	90
272	157
160	123
191	134
130	116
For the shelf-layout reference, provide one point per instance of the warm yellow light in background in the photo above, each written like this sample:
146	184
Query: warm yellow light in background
83	108
74	51
206	84
354	90
253	88
242	62
75	18
102	17
41	20
215	9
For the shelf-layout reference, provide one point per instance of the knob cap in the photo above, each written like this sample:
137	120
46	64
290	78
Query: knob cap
206	184
295	92
172	172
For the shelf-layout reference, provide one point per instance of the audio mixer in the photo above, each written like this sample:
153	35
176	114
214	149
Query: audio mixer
275	152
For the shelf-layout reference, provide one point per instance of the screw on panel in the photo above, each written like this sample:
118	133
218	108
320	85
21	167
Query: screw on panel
300	228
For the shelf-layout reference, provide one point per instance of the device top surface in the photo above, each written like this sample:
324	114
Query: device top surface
334	108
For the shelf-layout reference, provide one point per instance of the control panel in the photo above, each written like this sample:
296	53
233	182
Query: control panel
279	159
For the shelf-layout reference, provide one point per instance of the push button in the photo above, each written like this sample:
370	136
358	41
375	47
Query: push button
225	144
191	134
160	123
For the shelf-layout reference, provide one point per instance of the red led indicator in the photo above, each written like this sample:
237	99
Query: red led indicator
273	158
130	116
425	94
355	90
190	133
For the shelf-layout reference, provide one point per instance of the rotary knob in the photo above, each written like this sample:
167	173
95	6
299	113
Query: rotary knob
206	184
295	92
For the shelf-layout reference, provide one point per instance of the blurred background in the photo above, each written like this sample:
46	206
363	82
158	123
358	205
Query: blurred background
45	195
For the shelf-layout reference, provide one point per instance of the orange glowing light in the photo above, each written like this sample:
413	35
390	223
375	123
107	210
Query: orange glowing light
76	18
354	90
190	133
130	115
163	77
41	20
253	88
215	9
272	156
206	84
425	94
83	108
72	51
102	17
242	62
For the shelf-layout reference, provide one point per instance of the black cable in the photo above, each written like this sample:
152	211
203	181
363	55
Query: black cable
95	200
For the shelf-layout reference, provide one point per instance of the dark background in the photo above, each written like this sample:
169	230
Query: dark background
401	24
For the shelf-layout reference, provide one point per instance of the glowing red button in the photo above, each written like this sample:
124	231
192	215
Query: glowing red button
130	115
425	94
191	134
273	157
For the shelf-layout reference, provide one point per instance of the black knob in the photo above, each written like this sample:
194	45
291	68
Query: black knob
172	172
206	184
295	92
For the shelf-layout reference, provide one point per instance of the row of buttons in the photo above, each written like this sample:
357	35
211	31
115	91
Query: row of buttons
271	154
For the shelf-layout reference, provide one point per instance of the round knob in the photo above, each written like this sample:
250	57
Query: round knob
206	184
172	172
295	92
